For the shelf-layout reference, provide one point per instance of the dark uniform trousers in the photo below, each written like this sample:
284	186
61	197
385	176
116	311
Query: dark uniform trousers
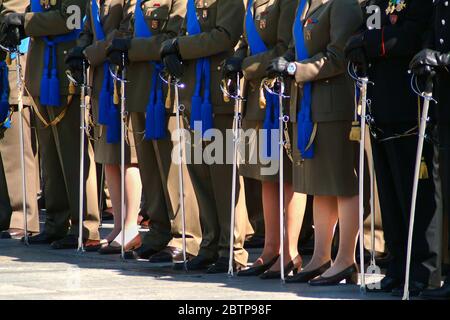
394	166
59	148
159	177
11	213
212	185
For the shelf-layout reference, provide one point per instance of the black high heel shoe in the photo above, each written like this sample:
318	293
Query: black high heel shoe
350	275
305	276
294	266
258	270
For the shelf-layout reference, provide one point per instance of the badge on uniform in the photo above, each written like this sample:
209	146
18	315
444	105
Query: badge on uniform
308	35
155	24
262	24
393	18
395	5
205	14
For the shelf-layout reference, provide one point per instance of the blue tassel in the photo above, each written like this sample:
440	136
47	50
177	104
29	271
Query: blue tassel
45	88
113	129
4	112
103	108
207	118
159	120
149	122
54	97
196	110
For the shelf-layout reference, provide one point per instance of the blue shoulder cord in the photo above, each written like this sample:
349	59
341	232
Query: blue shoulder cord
304	122
201	109
50	93
257	45
155	122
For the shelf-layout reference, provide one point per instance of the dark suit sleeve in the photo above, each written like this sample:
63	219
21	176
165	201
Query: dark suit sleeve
404	40
86	36
147	49
225	34
53	22
254	67
345	18
96	52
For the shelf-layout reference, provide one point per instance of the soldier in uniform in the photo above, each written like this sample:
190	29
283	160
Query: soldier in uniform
272	20
102	25
153	120
58	110
394	112
208	36
436	56
11	215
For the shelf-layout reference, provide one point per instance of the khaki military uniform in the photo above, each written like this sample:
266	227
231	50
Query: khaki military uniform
112	14
11	215
273	20
221	22
59	144
159	174
327	26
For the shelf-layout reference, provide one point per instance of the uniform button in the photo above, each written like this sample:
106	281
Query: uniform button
441	41
446	3
443	22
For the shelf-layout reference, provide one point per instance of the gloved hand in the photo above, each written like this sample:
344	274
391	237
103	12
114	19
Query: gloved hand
278	67
170	56
74	62
231	67
355	52
117	52
169	47
431	58
12	30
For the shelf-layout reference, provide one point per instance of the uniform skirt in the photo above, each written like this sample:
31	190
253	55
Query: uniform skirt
109	153
333	170
253	163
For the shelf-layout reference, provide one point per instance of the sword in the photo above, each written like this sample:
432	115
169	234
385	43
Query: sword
282	119
19	82
123	116
428	97
179	109
362	82
82	151
236	138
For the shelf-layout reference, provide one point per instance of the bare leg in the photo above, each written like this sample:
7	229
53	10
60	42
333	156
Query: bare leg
112	177
295	210
133	189
133	192
325	219
271	222
348	227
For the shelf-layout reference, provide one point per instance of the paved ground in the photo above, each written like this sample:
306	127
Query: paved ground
39	272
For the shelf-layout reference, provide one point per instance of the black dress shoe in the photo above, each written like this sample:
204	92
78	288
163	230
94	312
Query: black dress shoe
42	238
350	275
199	263
293	266
305	276
387	284
167	255
141	253
415	288
442	293
222	265
257	270
68	242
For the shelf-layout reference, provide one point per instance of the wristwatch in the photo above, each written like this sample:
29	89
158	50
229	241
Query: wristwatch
291	68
